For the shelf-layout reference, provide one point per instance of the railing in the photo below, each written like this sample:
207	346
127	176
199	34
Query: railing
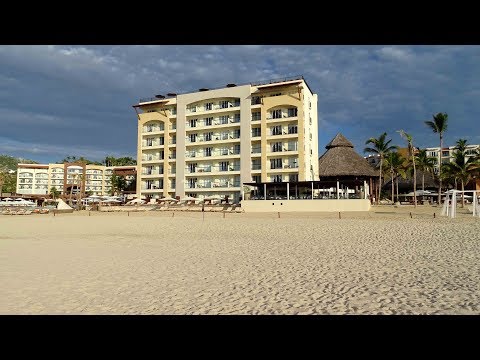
278	80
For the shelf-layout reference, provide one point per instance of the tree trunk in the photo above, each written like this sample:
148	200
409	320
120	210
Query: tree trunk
393	188
414	181
440	172
423	182
463	194
380	181
396	180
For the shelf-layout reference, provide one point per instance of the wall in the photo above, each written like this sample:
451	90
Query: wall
305	205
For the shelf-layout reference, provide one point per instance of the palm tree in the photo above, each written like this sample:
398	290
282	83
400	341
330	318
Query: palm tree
54	192
459	168
395	162
425	164
380	147
439	125
411	153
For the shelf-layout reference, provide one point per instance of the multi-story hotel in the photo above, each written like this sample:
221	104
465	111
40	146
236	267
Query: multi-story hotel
207	143
38	179
447	154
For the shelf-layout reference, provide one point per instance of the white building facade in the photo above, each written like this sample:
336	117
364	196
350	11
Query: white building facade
207	143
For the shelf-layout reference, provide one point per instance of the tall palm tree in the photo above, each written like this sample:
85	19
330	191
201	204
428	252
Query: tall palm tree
395	162
425	164
463	170
380	147
439	125
411	153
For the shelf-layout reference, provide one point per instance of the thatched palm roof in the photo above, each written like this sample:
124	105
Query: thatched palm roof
340	159
406	185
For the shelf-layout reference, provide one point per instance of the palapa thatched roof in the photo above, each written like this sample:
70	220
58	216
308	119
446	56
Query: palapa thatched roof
340	159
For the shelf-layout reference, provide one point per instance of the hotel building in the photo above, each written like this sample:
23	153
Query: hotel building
207	143
38	179
447	154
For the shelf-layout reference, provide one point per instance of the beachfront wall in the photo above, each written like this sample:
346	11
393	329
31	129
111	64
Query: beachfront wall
309	205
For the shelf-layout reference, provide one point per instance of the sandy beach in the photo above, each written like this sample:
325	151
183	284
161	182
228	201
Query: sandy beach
378	262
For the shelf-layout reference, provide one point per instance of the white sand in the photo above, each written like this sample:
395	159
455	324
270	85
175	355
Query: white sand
150	263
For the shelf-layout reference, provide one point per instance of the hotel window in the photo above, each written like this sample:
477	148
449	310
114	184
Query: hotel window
192	137
292	145
256	116
256	149
224	119
208	136
208	121
277	114
192	183
275	163
277	146
224	165
277	130
207	151
292	129
256	132
192	167
276	178
256	100
292	112
192	122
224	104
208	106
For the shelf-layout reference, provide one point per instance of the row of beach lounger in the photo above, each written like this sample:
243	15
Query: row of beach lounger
198	208
23	211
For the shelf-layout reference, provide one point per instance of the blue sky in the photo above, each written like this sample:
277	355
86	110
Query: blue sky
77	100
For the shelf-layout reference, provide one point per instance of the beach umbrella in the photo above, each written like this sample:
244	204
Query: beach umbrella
136	201
189	198
111	201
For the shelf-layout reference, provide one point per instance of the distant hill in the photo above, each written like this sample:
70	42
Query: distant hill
10	162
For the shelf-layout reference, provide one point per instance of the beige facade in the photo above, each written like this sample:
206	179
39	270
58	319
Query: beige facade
38	179
447	154
208	143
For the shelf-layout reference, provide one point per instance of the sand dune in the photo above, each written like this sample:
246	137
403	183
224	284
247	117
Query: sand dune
380	262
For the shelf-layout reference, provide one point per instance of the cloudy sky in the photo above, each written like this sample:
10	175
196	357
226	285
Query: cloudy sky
77	100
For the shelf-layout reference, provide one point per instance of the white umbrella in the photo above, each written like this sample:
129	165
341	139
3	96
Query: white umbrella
111	201
189	198
135	201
